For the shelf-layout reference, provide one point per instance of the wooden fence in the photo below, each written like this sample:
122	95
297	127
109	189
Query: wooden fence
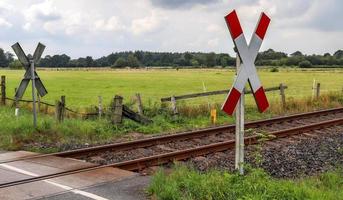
116	110
173	99
217	92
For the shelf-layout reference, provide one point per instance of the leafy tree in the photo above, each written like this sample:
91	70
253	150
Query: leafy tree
120	62
111	59
139	55
16	64
90	62
269	57
188	56
194	63
102	62
132	61
270	54
297	53
5	58
305	64
338	54
294	60
54	61
210	60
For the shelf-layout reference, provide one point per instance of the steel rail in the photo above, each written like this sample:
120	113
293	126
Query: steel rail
172	137
160	159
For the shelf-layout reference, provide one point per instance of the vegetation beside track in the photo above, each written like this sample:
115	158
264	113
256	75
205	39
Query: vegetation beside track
186	183
18	133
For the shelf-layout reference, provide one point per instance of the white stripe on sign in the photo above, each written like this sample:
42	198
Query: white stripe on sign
76	191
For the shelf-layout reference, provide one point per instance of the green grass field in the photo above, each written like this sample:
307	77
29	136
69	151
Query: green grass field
83	87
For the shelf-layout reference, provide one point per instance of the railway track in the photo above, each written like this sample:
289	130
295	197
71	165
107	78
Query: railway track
157	140
280	127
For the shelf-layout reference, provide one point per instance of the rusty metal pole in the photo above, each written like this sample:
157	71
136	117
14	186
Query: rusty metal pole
239	157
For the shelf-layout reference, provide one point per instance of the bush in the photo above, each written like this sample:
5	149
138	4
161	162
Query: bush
15	65
132	61
120	63
274	69
305	64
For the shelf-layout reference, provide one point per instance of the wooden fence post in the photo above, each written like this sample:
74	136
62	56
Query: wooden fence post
60	109
313	89
318	90
3	90
38	102
173	101
16	104
117	110
63	106
140	105
57	110
100	106
46	109
283	96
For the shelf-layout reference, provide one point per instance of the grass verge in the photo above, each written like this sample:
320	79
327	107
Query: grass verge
186	183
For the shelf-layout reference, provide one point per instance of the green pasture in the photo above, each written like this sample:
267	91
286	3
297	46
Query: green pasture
82	87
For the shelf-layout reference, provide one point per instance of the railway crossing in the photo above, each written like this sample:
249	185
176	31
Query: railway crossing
30	74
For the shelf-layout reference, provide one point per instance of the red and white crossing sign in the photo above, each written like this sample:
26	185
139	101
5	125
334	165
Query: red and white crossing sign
247	55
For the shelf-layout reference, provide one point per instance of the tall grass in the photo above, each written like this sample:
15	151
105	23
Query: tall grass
186	183
293	105
17	132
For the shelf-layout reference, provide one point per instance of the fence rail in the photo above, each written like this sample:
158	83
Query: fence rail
82	114
217	92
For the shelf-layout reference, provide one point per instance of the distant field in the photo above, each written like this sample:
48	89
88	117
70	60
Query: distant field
82	87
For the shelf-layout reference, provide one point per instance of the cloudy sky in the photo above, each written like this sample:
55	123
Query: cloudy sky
97	28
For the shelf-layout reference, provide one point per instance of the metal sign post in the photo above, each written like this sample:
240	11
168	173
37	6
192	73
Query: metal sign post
32	66
239	158
246	72
30	74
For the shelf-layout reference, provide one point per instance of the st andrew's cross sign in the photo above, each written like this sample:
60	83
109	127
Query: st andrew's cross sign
246	72
26	61
30	74
247	55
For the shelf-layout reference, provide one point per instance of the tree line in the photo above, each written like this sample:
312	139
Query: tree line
137	59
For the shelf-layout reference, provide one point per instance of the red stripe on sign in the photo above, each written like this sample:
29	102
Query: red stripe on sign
261	100
231	102
262	26
233	24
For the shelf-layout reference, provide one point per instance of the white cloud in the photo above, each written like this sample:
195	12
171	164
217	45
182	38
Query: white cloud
147	24
88	27
39	14
214	28
213	42
5	23
111	24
